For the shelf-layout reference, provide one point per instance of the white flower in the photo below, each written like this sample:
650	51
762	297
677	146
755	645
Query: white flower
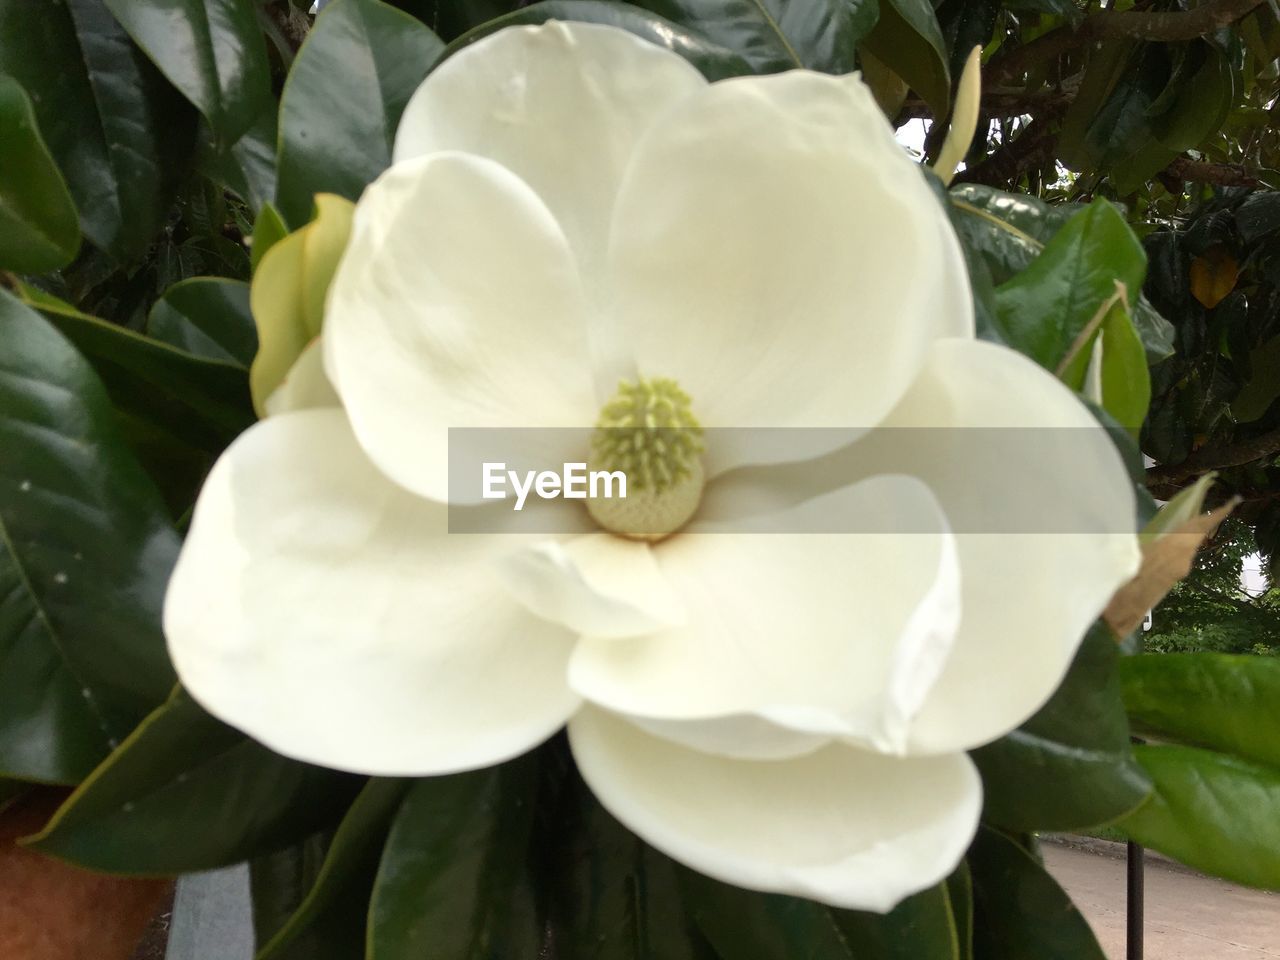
570	207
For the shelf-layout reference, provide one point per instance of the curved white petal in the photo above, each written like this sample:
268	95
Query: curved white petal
457	304
825	634
1042	508
561	105
847	827
597	584
776	252
305	386
327	613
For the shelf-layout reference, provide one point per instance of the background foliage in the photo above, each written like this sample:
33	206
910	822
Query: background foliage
154	149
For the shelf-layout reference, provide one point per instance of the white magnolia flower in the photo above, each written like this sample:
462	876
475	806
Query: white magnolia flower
571	207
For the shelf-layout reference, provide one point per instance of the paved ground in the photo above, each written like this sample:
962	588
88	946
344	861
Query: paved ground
1188	917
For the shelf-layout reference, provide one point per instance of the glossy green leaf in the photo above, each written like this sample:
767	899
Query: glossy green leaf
186	792
279	883
331	918
1216	813
1126	381
1217	700
909	40
119	132
1045	308
777	35
207	317
922	927
1069	766
1263	387
960	890
612	896
211	50
268	230
713	60
744	923
455	876
337	123
39	228
85	550
1020	912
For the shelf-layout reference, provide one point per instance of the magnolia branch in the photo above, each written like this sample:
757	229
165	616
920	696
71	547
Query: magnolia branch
1214	457
1162	27
1220	174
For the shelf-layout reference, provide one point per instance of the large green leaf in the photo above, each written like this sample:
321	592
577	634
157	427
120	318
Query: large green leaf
207	317
713	60
777	35
279	883
1070	766
39	229
1228	703
908	39
455	876
1216	813
211	50
1046	307
343	99
85	550
1020	912
119	132
331	918
186	792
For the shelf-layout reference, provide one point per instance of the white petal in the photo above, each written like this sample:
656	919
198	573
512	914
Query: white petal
597	584
847	827
561	105
457	304
327	613
305	386
777	253
1041	505
826	634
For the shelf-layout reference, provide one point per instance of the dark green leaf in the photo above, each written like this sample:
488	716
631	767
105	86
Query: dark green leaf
922	927
117	129
1020	912
777	35
211	50
1216	813
85	551
455	876
714	61
279	882
330	921
1070	766
746	924
39	229
1229	703
186	792
338	124
960	890
207	317
1046	307
1008	229
909	40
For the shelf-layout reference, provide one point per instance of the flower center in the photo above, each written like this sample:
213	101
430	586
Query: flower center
649	433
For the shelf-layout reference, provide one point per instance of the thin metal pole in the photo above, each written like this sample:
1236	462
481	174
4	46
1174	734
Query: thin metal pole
1135	863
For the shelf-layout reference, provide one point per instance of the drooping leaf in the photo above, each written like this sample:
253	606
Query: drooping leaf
1125	379
1216	700
1020	912
331	917
85	550
909	40
117	129
135	814
207	317
338	123
1216	813
1070	766
39	228
455	876
211	50
716	62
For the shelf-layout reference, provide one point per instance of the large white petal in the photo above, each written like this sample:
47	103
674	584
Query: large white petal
824	634
561	105
1042	508
776	252
326	612
844	826
457	304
